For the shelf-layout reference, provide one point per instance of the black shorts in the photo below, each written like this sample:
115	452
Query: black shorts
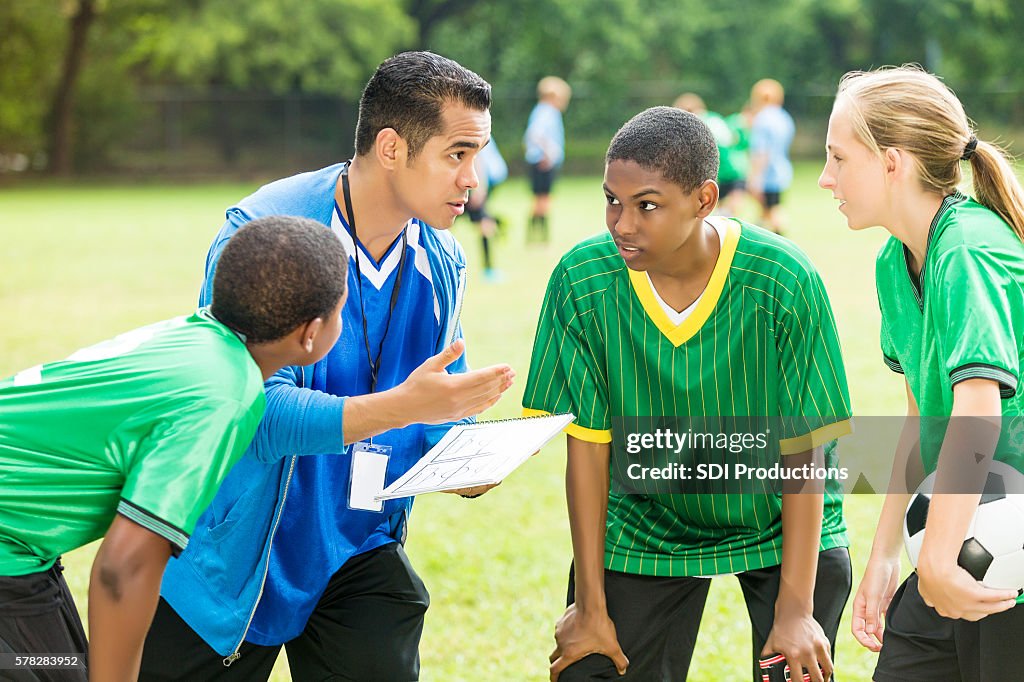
729	186
480	212
366	626
541	181
476	214
38	616
772	199
656	619
922	646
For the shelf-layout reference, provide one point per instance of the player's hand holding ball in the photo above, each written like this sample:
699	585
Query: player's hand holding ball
986	575
952	592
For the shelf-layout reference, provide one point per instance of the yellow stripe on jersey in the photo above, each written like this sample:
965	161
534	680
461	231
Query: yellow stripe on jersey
680	334
816	438
577	432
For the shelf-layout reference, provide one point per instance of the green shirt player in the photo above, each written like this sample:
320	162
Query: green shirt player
130	439
731	137
951	292
675	313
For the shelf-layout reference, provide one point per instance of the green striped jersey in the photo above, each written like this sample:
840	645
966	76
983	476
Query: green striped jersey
760	342
962	319
145	425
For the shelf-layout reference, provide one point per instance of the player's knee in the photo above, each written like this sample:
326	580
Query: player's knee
592	667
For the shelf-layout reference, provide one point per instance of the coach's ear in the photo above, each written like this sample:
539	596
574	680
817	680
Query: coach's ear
390	149
707	194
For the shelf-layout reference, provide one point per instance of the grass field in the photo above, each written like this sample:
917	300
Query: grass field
81	263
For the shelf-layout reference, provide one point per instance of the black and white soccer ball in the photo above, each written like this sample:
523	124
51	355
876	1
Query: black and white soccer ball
993	550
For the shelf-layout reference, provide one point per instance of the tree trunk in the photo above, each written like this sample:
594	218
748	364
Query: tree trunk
61	143
428	14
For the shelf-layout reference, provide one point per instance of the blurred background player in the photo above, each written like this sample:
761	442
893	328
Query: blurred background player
491	170
771	134
131	438
732	194
545	149
731	138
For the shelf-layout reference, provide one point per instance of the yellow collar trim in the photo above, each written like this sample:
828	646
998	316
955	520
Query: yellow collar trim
678	335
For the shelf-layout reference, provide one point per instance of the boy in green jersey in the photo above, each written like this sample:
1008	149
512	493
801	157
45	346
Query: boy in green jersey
677	313
130	439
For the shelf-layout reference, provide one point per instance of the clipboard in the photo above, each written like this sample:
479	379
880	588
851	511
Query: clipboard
482	453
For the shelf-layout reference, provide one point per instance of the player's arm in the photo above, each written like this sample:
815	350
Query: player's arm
882	573
795	634
758	160
585	627
973	431
478	197
123	591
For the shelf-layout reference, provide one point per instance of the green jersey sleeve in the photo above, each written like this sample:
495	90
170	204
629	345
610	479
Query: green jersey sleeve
565	375
178	465
889	355
813	396
979	318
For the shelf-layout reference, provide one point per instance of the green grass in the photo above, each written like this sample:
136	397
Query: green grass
83	263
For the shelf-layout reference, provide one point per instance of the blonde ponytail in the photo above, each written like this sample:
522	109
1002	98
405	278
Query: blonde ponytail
996	185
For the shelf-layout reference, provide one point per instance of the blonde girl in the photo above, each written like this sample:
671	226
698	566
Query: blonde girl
949	286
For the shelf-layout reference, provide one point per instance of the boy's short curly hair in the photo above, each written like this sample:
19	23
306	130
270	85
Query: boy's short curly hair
277	273
673	142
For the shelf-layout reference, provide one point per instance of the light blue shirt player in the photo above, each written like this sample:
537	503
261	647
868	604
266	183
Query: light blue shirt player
545	135
771	134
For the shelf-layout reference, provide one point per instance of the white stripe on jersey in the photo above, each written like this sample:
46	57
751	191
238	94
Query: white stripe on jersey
379	277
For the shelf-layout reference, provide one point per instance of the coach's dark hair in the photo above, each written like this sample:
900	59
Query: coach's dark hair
673	142
407	93
277	273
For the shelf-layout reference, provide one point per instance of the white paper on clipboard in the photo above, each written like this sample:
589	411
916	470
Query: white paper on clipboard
477	454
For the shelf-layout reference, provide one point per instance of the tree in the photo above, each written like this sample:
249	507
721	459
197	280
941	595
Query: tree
312	46
276	46
61	140
429	13
26	81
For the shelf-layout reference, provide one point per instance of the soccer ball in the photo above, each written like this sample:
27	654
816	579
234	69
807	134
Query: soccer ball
993	550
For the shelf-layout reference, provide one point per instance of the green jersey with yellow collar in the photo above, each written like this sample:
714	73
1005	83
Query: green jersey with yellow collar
760	342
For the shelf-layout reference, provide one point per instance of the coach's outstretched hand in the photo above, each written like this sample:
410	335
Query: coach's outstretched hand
578	635
432	396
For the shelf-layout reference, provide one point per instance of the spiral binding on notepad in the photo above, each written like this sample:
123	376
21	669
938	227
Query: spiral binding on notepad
532	416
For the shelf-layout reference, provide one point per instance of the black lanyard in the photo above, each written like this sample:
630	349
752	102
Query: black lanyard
374	364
